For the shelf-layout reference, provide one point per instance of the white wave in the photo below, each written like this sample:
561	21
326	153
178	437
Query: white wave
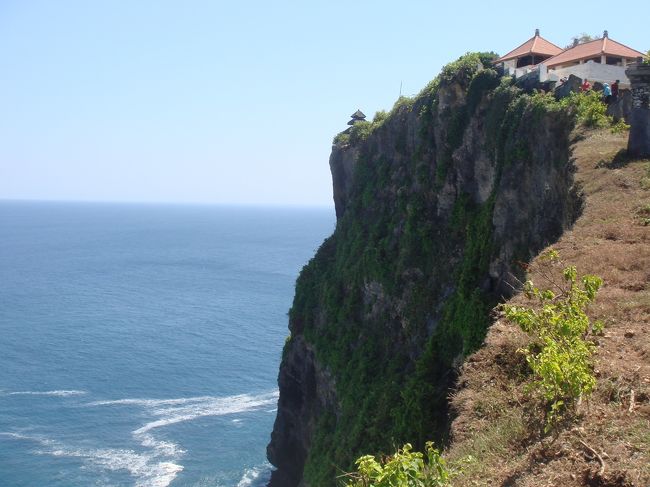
165	412
172	411
58	393
149	403
162	448
20	436
252	474
194	408
249	476
149	470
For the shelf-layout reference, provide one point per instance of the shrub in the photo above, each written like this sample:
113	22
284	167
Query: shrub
620	127
560	356
342	138
380	116
463	68
590	110
360	131
404	469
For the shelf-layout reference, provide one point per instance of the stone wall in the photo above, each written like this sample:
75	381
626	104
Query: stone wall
639	142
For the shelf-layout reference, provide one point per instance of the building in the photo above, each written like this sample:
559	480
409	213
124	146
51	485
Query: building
524	58
357	116
602	60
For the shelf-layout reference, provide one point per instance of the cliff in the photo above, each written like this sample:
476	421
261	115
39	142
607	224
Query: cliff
497	420
438	204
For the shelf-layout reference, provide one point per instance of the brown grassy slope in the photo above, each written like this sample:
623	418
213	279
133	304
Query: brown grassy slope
499	424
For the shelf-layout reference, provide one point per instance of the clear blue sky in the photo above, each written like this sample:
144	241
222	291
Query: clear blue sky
232	102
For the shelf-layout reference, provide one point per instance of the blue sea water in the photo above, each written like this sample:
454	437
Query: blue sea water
140	344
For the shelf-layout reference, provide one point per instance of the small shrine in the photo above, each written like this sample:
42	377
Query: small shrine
357	116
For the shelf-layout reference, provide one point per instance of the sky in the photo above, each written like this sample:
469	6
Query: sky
226	102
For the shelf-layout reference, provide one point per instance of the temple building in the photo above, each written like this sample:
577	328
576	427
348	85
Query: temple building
357	116
529	54
603	60
600	51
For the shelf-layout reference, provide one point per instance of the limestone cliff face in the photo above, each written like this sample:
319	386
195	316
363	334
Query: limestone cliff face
437	206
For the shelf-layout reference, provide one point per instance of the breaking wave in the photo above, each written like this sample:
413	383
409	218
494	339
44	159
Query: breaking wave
172	411
255	476
61	393
148	469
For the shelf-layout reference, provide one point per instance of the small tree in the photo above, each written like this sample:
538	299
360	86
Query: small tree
560	355
404	469
590	109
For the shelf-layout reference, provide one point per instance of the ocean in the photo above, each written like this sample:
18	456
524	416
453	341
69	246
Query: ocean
140	344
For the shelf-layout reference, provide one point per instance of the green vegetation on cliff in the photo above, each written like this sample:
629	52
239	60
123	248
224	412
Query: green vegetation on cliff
402	290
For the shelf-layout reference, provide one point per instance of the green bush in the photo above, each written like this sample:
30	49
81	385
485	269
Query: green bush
560	355
620	127
360	131
342	138
404	469
590	109
380	116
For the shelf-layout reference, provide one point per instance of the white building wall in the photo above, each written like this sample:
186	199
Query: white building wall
605	73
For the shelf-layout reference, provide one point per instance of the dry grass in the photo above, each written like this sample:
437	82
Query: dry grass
498	424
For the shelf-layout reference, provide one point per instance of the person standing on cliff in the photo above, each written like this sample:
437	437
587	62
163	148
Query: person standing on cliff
615	90
585	86
607	93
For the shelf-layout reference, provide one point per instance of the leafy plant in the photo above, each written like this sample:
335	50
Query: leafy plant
560	355
405	468
360	131
590	110
380	116
619	127
342	138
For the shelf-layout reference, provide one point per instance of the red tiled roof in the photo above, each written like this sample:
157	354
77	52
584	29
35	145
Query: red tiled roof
592	49
535	45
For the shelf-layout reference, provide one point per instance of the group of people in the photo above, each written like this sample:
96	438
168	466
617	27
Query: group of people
610	93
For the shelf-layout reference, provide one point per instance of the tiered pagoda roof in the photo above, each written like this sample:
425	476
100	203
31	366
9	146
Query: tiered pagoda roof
535	46
588	50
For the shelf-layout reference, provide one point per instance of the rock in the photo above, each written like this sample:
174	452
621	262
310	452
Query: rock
639	141
628	334
529	82
572	85
622	107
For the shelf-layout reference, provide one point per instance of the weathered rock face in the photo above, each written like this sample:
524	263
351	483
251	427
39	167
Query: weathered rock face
621	108
307	390
342	166
571	85
436	206
639	141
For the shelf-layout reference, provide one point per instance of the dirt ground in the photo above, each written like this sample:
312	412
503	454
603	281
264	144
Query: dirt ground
608	444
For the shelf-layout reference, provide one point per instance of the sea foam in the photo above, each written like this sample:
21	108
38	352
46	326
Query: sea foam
252	476
172	411
58	393
148	469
